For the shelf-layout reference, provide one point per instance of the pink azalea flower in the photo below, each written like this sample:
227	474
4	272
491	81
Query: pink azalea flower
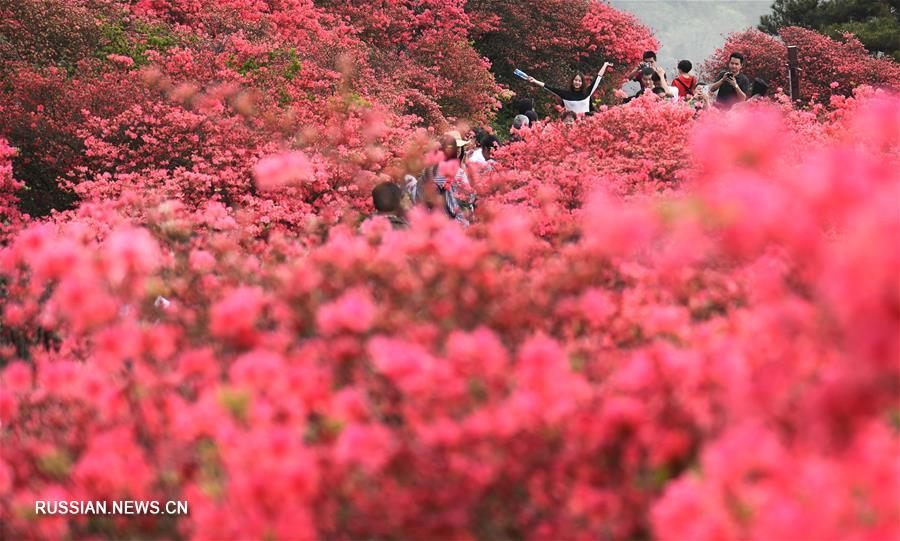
122	60
17	376
448	168
236	314
283	170
352	312
369	446
202	261
131	252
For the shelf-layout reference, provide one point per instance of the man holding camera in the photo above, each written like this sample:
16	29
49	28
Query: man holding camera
732	86
649	61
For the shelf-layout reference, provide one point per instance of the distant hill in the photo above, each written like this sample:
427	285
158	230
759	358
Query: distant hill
693	29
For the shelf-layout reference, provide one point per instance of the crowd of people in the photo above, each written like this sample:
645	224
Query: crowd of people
447	185
730	88
443	185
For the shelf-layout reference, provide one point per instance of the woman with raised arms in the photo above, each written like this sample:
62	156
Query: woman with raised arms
577	98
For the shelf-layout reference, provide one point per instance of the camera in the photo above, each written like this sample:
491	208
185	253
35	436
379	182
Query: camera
645	65
729	75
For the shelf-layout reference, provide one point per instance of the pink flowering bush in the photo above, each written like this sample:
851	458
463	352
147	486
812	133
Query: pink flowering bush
627	151
421	59
436	383
43	110
252	85
553	39
550	38
661	324
828	66
48	32
9	203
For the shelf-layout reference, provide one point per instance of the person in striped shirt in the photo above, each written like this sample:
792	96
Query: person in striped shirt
434	189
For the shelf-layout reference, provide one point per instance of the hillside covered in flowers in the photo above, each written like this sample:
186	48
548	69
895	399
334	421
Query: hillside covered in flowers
662	323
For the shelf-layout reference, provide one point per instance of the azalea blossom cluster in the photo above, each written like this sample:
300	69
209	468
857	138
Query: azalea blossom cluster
444	383
9	186
662	324
637	150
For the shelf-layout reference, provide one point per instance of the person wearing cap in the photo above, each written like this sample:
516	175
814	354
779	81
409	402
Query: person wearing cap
457	138
463	192
434	189
461	155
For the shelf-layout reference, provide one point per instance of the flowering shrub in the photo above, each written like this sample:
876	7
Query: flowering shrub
43	110
9	211
551	38
434	383
661	324
828	67
48	32
275	70
421	57
638	149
